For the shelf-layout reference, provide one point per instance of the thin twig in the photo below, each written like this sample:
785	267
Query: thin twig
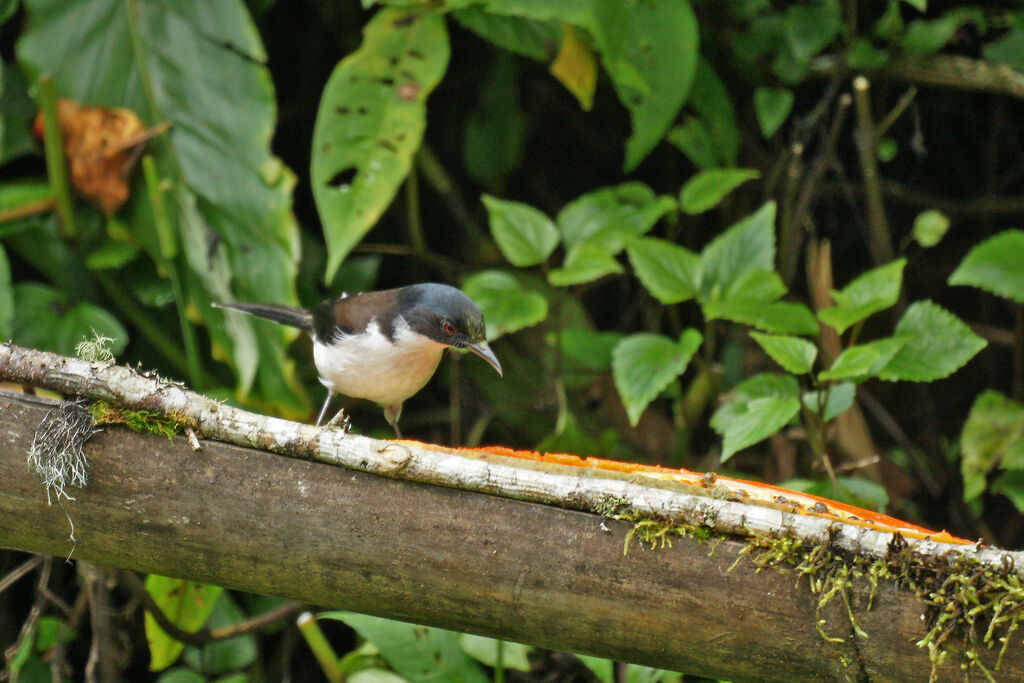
101	665
956	72
204	635
896	112
20	571
28	627
879	241
791	239
27	210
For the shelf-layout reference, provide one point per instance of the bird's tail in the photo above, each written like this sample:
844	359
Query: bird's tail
286	315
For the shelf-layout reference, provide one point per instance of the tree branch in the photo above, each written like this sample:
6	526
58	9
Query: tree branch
453	557
943	71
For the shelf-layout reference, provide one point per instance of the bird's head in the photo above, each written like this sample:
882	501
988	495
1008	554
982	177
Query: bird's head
448	316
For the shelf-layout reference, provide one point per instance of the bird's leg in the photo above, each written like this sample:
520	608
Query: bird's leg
323	411
391	414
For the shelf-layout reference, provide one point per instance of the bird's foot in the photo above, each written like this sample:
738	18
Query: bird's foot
341	419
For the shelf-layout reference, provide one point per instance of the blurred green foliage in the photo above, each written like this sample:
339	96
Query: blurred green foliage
641	196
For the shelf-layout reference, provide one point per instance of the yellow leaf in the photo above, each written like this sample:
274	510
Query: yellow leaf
576	67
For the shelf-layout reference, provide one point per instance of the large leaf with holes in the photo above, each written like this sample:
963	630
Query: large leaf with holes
199	66
371	121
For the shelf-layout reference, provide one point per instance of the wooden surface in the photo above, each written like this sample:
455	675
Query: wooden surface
264	523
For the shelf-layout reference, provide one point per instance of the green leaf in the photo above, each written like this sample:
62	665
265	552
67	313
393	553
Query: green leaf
585	263
852	362
6	298
575	66
371	121
52	630
611	215
763	385
43	320
485	651
181	675
522	35
996	265
761	418
373	676
1011	485
772	107
230	654
871	292
927	36
506	305
746	246
838	399
939	344
810	28
187	604
603	669
890	26
781	317
1009	49
590	349
17	111
929	227
111	255
710	138
669	272
993	436
887	149
706	189
644	364
661	47
418	653
793	353
863	56
761	286
525	236
695	139
200	66
887	348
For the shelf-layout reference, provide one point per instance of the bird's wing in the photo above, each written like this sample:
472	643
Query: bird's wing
354	313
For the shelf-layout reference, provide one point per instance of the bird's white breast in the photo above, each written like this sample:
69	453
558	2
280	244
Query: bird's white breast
370	366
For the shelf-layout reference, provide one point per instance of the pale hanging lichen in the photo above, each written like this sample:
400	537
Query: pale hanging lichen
56	453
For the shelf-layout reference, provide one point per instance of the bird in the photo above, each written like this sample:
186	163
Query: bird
383	346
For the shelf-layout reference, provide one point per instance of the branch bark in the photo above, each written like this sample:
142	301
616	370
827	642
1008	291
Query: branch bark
318	533
955	72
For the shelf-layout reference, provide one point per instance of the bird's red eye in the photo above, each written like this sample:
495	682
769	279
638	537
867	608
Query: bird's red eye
448	327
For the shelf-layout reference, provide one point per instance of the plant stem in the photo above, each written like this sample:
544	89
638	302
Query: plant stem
168	250
322	650
442	183
499	663
412	208
56	168
879	240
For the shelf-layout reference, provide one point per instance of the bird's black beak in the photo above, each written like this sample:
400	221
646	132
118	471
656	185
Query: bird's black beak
484	351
